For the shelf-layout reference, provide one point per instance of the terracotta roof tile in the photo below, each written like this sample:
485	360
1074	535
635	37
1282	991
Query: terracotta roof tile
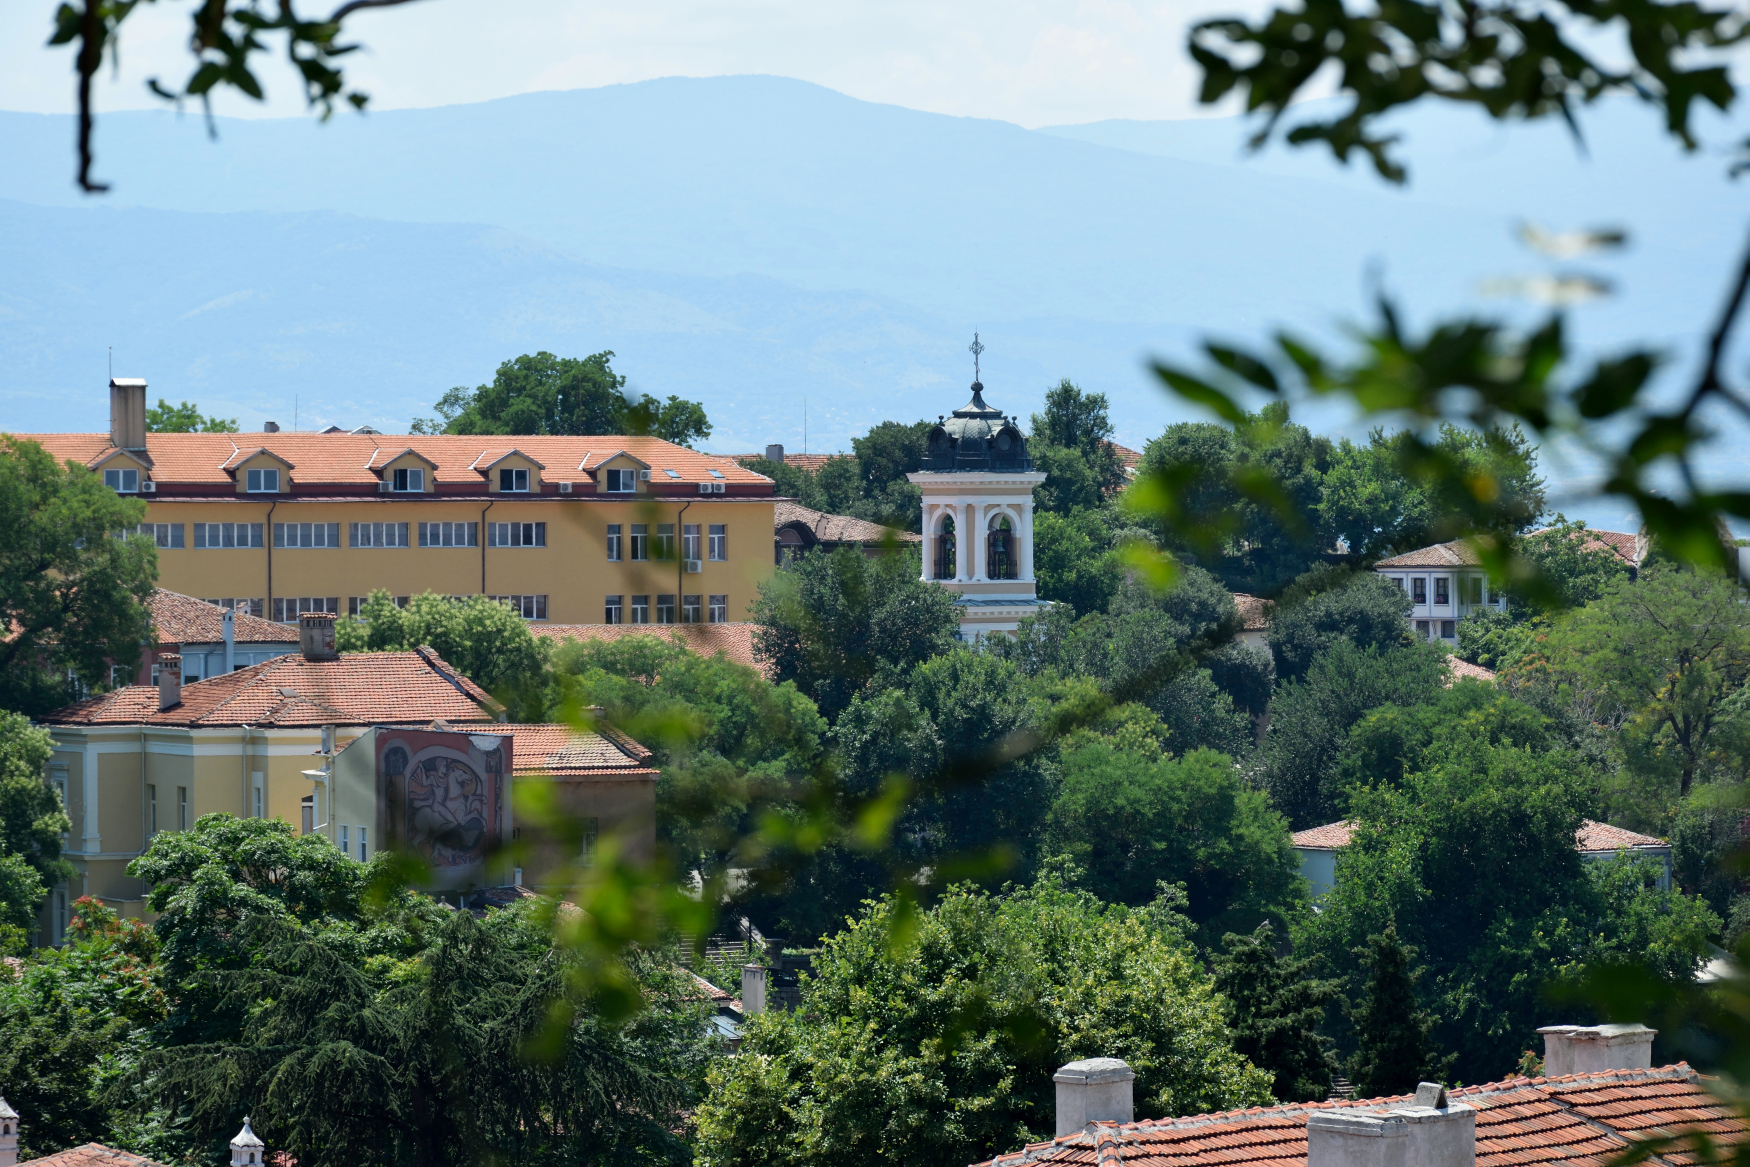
809	462
1457	669
1584	1120
353	459
1254	612
829	528
1627	546
95	1155
1458	553
563	751
364	688
183	619
1592	836
733	640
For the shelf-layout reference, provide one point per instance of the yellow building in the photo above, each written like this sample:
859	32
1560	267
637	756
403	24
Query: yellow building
574	530
261	742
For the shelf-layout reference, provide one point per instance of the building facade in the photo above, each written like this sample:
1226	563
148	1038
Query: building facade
977	481
576	530
1445	583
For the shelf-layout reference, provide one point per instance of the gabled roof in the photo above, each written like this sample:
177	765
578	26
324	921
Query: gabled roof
1457	553
383	455
96	1155
622	453
829	528
565	752
360	688
1592	837
513	452
1629	548
180	619
1580	1120
734	640
140	456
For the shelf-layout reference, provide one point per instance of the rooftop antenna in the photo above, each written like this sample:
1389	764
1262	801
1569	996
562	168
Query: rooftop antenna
805	425
975	349
112	362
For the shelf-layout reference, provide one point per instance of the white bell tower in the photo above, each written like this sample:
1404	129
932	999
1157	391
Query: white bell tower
8	1135
247	1149
977	481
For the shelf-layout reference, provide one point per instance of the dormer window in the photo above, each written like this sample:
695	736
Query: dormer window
622	481
513	481
262	481
413	480
122	481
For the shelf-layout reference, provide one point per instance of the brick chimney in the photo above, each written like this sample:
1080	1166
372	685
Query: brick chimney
247	1149
127	412
1094	1090
316	636
1430	1132
1586	1049
8	1135
169	681
753	989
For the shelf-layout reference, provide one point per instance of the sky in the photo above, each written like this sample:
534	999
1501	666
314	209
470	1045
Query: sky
1031	62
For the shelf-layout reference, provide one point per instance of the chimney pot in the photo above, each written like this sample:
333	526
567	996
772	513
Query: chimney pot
169	681
1094	1090
753	989
1587	1049
270	427
316	636
127	413
1405	1136
775	452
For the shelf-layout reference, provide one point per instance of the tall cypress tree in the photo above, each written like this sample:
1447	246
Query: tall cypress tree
1391	1028
1275	1009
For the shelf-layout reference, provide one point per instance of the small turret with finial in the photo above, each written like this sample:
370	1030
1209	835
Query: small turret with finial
247	1149
8	1135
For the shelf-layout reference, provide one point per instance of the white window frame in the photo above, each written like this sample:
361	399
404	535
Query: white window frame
434	534
122	480
690	541
510	534
516	476
692	608
622	481
719	610
261	480
614	609
614	545
408	480
719	542
640	607
253	536
638	550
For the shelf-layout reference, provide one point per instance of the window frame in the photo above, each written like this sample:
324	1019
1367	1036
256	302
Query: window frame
471	529
639	548
256	479
718	609
513	475
1442	590
614	546
692	608
614	609
690	544
718	534
405	478
122	475
1418	589
665	609
621	481
528	534
640	606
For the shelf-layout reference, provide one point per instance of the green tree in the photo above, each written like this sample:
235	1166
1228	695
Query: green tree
1074	561
1394	1050
936	1042
1663	656
1329	604
1079	422
1574	561
545	394
1133	818
185	418
32	821
72	593
1275	1006
886	454
485	639
834	622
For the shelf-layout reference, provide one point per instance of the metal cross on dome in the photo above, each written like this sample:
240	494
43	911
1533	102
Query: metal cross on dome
975	349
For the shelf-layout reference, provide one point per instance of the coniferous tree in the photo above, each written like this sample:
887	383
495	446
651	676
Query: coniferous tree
1391	1027
1275	1009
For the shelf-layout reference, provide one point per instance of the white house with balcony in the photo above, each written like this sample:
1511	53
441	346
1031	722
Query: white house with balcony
1445	583
977	481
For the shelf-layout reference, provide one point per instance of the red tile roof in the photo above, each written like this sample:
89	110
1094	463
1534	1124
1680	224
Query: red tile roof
809	462
733	640
1628	547
183	619
362	688
355	460
1592	836
829	528
1457	553
1582	1120
96	1155
1128	458
1254	612
1458	670
565	752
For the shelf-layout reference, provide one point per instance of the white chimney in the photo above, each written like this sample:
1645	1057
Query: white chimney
1094	1090
775	452
127	413
169	681
1429	1132
316	636
8	1135
247	1149
1587	1049
753	989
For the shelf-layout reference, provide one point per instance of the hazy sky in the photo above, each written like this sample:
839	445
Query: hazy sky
1034	63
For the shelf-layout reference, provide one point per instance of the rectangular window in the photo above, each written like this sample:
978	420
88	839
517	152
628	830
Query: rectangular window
287	609
364	845
182	808
1421	630
614	542
120	675
1419	590
516	534
513	481
719	541
345	839
690	541
1397	580
258	787
640	609
255	607
622	481
665	609
665	541
586	850
1442	593
410	479
614	611
528	607
216	535
122	481
1476	589
640	541
151	810
691	610
161	534
1448	629
306	534
719	609
262	481
355	605
375	534
449	534
307	809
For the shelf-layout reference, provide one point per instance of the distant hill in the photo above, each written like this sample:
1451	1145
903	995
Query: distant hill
751	240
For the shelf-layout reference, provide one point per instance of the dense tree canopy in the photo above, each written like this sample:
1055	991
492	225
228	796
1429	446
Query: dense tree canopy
185	418
485	639
32	822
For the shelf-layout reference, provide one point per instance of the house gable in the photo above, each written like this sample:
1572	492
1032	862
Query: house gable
260	458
